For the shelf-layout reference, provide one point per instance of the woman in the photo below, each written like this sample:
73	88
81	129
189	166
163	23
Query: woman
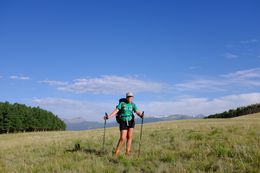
126	122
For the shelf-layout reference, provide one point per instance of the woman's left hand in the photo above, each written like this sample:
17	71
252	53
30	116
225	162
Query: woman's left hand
142	115
106	117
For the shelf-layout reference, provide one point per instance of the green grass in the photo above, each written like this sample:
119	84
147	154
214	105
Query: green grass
206	145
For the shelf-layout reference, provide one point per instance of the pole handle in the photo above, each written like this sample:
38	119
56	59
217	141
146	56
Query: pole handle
142	115
106	116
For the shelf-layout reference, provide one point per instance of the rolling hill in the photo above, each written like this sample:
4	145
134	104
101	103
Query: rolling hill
199	145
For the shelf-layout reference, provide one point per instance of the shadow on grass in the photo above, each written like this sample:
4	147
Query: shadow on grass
97	152
78	148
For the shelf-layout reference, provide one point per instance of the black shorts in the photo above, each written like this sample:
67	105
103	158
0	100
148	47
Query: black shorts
123	124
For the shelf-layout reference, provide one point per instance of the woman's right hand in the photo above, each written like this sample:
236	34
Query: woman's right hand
106	117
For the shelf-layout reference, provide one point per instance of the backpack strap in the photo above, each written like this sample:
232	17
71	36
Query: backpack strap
133	106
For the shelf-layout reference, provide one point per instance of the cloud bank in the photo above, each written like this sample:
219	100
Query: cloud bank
90	110
107	85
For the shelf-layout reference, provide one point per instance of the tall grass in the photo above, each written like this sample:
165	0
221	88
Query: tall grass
207	145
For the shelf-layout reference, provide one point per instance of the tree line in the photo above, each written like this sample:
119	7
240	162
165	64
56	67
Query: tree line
254	108
21	118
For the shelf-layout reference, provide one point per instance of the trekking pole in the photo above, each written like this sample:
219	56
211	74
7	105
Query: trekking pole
104	135
141	134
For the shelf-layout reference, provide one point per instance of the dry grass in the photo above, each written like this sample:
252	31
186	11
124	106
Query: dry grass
208	145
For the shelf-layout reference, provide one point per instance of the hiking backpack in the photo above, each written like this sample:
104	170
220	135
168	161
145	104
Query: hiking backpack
118	115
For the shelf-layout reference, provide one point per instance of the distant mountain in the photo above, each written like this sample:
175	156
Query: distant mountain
74	120
79	123
85	125
199	116
166	118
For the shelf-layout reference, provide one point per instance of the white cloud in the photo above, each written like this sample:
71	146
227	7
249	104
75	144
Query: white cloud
243	49
231	56
249	41
244	74
198	84
89	110
54	82
117	84
68	108
195	106
238	79
243	78
13	77
107	85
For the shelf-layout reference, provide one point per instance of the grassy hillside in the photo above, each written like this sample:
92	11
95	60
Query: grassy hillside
205	145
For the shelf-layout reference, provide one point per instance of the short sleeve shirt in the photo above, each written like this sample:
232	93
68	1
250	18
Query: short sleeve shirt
127	109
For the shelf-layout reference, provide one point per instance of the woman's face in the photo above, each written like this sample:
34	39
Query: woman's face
129	99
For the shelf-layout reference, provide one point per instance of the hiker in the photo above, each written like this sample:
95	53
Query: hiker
125	117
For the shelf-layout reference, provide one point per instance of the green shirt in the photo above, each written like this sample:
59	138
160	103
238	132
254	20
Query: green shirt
126	110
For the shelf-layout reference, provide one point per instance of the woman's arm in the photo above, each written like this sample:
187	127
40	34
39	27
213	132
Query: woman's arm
139	113
112	114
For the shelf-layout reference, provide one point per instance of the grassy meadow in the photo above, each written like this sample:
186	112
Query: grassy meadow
204	145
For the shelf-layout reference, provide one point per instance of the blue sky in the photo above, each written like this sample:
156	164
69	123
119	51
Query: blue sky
76	58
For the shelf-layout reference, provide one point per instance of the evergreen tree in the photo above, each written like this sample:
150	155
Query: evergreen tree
21	118
254	108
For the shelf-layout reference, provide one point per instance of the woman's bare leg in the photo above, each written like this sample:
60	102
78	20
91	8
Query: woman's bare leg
123	134
129	140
